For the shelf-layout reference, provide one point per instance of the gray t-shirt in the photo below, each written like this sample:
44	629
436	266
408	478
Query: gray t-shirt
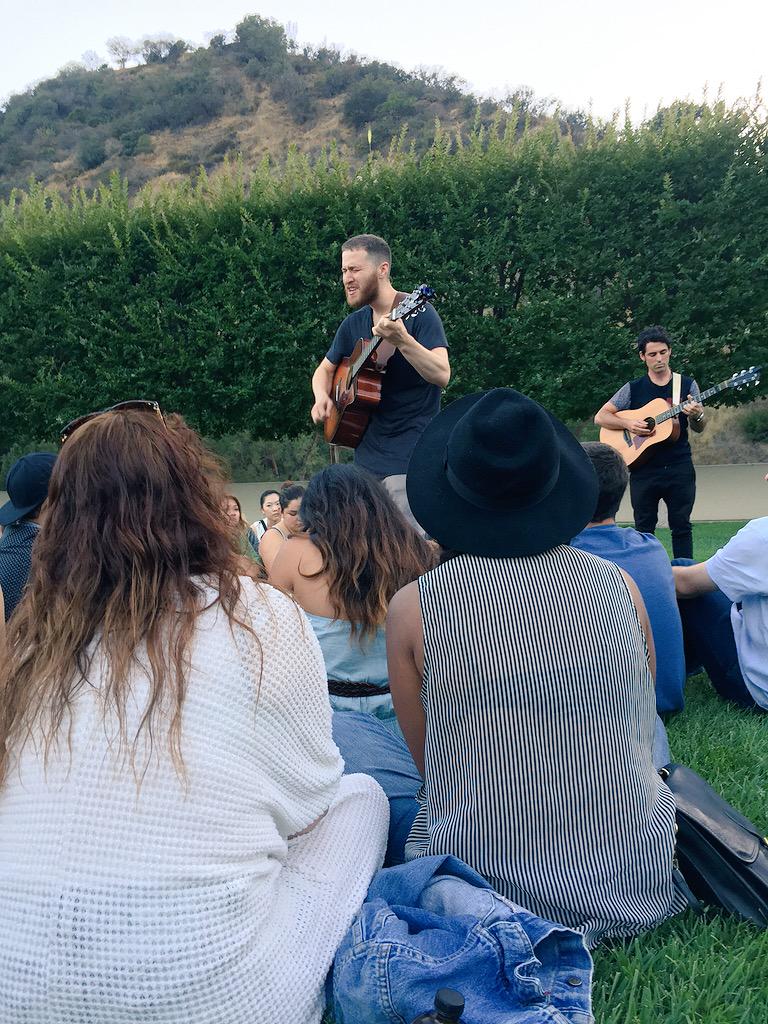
622	399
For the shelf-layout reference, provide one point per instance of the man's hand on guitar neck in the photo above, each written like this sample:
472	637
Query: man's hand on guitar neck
695	412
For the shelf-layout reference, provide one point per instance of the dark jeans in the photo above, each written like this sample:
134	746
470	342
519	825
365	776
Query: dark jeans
709	642
370	748
675	485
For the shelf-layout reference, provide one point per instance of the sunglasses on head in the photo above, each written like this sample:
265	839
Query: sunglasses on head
140	404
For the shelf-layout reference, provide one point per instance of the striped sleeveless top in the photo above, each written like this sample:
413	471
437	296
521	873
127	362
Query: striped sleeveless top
540	715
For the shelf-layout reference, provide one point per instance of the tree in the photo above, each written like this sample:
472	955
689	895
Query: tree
216	41
363	100
155	51
122	50
91	60
175	50
262	39
91	152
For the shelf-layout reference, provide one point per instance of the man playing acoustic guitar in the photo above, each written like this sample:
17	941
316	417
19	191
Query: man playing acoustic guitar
668	474
415	373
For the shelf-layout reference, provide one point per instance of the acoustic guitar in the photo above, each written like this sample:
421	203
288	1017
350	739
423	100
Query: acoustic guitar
662	419
357	382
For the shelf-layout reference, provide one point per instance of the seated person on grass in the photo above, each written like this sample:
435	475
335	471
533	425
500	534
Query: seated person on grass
724	608
522	676
644	558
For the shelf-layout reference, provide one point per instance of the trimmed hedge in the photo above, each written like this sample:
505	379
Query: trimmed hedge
219	299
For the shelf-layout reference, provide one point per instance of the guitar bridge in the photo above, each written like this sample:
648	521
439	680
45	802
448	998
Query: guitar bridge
627	438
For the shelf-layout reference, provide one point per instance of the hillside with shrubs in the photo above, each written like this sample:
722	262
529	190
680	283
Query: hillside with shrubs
255	95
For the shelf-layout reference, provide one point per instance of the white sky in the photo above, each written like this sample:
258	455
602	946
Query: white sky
582	52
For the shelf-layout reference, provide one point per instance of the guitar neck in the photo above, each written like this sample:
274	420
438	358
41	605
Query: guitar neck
370	346
675	410
367	349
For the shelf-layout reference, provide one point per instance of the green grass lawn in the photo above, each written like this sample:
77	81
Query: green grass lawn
707	537
711	969
692	970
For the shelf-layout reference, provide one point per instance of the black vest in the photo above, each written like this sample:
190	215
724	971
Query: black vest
642	391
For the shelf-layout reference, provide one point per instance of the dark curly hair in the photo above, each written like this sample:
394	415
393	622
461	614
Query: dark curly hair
369	549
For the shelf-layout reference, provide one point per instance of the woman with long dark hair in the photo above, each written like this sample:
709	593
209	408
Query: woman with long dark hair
247	544
289	525
175	835
357	552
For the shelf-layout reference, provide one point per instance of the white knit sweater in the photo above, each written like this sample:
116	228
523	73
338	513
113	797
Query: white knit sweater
184	901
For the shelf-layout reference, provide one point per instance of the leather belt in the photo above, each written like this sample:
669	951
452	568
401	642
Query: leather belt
340	688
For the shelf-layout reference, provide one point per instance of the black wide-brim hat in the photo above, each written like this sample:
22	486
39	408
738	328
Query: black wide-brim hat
497	475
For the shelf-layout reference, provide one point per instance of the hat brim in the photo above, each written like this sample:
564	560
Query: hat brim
9	513
458	525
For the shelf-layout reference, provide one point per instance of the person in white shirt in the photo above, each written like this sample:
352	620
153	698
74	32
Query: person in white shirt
177	842
724	607
272	513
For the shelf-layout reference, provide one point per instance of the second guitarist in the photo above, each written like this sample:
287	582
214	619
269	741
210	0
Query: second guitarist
668	475
416	371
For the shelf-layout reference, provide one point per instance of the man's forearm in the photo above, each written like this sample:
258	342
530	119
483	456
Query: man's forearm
321	383
431	364
692	580
605	418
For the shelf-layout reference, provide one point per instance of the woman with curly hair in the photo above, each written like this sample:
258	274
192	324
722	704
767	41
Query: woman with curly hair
176	839
357	552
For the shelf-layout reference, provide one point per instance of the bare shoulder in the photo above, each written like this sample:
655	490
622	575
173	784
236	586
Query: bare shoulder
406	599
404	613
303	554
296	559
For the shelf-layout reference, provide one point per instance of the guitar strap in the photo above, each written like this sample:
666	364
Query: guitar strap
676	386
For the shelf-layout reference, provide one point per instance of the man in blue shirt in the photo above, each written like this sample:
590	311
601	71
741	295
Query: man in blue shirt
414	376
27	486
724	607
643	558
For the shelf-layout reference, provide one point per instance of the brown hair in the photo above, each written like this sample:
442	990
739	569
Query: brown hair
134	514
375	246
369	549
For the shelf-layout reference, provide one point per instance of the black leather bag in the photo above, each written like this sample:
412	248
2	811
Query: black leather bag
722	855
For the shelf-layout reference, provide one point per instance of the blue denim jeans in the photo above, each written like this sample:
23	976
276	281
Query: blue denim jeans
435	923
370	748
709	642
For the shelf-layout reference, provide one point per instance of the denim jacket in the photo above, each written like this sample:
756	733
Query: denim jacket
433	923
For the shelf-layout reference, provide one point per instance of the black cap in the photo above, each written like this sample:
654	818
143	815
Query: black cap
27	486
449	1004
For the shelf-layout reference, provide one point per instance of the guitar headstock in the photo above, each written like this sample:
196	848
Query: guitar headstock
744	378
413	304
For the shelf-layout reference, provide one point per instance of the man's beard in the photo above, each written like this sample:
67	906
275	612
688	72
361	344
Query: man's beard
366	295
